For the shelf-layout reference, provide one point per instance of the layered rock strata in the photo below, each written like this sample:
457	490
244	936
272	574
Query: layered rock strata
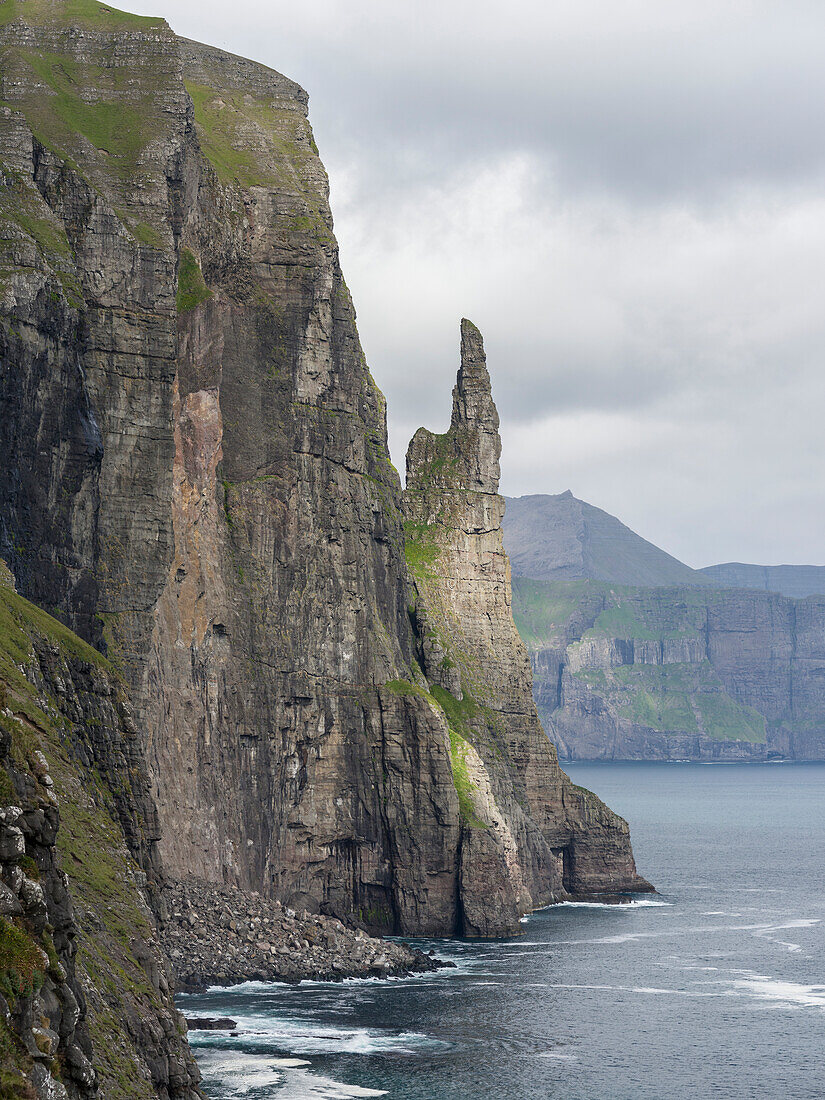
625	673
199	483
528	835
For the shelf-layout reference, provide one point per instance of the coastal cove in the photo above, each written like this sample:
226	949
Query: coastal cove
713	988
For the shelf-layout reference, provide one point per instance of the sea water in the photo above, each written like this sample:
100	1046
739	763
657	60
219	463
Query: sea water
713	988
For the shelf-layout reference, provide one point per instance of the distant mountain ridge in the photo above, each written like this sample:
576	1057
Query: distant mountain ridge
557	536
636	656
561	537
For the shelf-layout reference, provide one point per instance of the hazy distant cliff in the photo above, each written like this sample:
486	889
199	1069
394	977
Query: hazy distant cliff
629	666
797	581
199	483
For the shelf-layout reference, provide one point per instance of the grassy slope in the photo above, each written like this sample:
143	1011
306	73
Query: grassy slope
90	843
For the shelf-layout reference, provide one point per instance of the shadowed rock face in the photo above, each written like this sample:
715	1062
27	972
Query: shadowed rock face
200	484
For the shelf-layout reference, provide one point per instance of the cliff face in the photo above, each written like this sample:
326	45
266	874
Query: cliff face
637	657
200	484
675	673
85	1003
528	835
796	581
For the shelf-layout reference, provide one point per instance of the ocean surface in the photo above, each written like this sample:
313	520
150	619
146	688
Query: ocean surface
715	988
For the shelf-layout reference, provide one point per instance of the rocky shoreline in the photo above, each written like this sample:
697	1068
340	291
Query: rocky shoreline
218	935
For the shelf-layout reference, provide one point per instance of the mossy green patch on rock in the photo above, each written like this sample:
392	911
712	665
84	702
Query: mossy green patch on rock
421	549
14	1062
22	962
459	714
18	620
464	786
405	687
192	288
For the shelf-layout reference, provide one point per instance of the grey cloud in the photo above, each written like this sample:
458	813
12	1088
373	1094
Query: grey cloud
627	198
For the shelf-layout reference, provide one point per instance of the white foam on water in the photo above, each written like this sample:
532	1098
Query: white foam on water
241	1075
306	1086
779	991
557	1056
769	933
621	906
644	991
775	989
258	1033
245	987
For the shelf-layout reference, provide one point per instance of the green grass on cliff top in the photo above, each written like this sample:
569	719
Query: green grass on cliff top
254	142
84	13
119	120
543	608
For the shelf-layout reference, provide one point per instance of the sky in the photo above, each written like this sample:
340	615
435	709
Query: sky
626	196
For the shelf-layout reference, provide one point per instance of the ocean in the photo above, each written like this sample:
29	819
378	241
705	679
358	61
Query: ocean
713	988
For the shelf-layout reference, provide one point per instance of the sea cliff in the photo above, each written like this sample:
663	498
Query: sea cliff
328	705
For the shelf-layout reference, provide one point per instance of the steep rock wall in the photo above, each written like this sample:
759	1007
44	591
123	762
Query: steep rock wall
200	481
529	836
85	1002
676	673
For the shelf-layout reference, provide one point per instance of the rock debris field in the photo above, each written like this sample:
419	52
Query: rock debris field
218	935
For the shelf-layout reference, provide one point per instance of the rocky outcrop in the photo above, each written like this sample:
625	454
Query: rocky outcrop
85	1002
200	485
216	935
528	835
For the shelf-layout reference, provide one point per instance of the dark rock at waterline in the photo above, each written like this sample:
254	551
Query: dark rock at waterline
208	1023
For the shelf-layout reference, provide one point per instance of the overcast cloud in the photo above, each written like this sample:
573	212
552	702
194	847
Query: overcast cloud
627	198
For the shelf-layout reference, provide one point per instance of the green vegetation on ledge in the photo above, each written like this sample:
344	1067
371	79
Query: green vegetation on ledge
255	142
192	288
420	549
117	120
676	698
459	714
